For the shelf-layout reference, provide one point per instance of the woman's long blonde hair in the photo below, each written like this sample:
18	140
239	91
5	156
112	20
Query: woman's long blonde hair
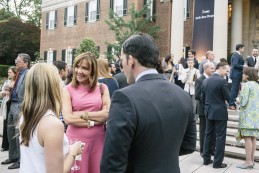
42	92
103	68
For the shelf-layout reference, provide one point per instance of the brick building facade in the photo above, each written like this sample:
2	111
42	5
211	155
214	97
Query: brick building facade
59	39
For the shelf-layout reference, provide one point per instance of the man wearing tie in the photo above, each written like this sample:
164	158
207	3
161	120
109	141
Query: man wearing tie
22	64
251	61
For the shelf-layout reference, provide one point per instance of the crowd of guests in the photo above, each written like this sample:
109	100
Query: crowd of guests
211	85
119	128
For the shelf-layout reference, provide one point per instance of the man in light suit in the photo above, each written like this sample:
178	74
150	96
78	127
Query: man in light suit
151	121
209	68
214	95
22	64
251	61
210	56
236	72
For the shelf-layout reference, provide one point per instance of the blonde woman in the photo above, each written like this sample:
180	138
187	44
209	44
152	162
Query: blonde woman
44	147
5	94
85	110
105	77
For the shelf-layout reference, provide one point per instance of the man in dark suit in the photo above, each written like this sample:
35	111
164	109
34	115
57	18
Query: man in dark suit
251	61
121	78
151	121
208	69
214	94
191	55
22	64
236	72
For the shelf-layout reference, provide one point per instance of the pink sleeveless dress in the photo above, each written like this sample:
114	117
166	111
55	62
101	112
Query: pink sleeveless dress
84	100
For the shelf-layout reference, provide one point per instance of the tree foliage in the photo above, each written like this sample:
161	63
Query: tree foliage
5	15
87	45
18	37
136	23
26	10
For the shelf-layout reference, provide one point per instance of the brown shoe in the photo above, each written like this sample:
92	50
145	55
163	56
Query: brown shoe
232	108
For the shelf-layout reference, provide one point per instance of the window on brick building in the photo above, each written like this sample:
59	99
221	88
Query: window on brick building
50	56
68	56
120	7
92	11
51	19
70	15
187	8
150	9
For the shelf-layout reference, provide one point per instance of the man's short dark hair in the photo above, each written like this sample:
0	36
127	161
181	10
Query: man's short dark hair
239	46
192	51
26	58
143	48
221	64
61	65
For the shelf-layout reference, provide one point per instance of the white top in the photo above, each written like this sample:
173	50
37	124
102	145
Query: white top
188	77
32	157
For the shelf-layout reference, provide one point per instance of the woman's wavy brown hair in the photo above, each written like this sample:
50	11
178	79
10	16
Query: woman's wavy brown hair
251	73
92	63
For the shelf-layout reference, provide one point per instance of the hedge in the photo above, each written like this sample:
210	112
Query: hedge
3	70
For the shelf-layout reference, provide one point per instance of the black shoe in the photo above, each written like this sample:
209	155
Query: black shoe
16	165
207	162
8	161
4	149
222	165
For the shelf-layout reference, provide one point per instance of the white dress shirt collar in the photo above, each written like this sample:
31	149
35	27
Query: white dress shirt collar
149	71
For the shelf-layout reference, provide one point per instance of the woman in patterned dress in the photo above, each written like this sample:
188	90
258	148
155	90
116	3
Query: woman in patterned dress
249	115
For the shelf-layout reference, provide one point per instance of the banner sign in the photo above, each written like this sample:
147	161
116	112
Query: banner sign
203	27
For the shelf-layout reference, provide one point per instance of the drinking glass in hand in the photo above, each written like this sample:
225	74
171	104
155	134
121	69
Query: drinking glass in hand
74	167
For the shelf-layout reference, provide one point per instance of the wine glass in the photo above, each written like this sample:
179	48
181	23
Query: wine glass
75	167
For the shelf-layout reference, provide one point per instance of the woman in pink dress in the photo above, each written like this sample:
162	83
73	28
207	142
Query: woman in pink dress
85	108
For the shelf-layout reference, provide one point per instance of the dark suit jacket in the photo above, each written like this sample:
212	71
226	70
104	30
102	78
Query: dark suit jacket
150	124
214	94
121	79
21	88
250	62
198	84
237	63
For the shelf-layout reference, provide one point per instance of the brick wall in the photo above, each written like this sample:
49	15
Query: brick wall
64	37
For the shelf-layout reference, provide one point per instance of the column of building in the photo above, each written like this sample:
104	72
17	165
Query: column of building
177	29
220	33
236	23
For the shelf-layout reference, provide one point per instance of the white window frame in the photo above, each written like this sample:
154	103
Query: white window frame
68	58
118	7
70	15
185	9
52	19
92	11
50	57
150	7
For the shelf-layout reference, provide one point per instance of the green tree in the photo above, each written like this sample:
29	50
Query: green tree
137	22
87	45
5	15
18	37
26	10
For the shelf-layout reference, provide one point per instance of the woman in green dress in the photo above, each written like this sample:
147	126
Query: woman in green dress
249	114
